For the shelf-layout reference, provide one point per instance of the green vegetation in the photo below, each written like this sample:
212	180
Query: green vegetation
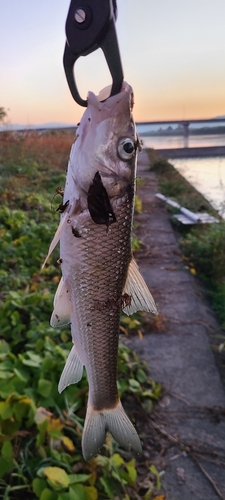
202	245
40	429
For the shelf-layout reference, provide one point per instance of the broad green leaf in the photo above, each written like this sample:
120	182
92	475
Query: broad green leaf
6	464
55	435
148	404
7	449
6	411
47	364
78	492
65	496
102	461
38	486
31	363
157	391
134	384
132	470
92	478
4	375
68	444
21	408
148	393
39	345
23	375
141	376
55	424
15	318
48	494
153	469
44	387
6	364
120	475
108	486
117	459
31	359
91	492
78	478
57	476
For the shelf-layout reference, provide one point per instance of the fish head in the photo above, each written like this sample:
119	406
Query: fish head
106	142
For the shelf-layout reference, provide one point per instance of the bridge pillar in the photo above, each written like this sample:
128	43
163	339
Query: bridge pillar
186	133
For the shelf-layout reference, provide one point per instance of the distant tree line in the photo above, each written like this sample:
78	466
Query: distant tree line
220	129
3	113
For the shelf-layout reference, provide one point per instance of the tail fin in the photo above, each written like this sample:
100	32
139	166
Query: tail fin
114	420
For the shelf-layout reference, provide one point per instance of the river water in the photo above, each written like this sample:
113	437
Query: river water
207	175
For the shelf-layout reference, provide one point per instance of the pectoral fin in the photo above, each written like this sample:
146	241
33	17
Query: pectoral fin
62	306
136	288
69	208
57	236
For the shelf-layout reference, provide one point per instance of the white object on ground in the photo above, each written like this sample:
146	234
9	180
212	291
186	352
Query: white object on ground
186	216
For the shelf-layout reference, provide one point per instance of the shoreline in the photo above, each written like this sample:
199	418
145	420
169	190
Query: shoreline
194	152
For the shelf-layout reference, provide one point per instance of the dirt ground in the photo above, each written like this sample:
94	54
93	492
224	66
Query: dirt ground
186	433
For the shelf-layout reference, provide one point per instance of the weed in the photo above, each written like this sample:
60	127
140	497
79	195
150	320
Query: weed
40	429
204	248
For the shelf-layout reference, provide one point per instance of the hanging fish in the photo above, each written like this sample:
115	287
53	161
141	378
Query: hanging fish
99	274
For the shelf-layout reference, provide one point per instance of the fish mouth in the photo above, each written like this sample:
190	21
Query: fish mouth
111	104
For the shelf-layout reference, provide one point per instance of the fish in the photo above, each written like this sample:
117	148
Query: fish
99	274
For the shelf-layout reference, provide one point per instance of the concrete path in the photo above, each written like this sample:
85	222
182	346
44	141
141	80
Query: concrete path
191	416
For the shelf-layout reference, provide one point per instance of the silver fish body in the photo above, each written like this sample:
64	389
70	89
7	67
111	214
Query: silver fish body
100	276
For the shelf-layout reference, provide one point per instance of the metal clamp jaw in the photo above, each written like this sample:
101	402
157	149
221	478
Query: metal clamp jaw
90	24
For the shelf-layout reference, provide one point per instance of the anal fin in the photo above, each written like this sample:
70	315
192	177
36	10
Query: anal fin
72	372
135	287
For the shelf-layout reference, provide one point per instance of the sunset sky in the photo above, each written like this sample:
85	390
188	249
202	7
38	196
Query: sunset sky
173	54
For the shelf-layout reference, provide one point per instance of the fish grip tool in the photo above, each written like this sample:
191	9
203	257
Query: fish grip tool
91	25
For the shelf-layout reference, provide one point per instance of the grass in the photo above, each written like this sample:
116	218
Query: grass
202	245
40	429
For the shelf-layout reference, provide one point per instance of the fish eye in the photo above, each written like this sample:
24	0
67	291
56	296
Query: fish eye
126	148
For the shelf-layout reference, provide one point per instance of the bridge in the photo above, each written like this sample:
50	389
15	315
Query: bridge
186	151
185	124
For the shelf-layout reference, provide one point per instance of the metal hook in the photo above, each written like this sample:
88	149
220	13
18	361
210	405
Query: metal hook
90	25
